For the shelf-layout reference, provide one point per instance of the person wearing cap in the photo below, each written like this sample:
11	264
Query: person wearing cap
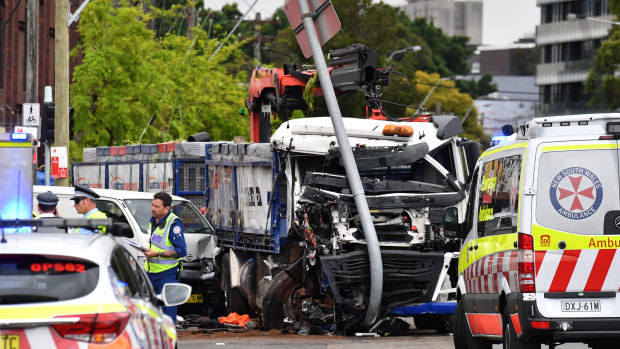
85	202
166	246
47	205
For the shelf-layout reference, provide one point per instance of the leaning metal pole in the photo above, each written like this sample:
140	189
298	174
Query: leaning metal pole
374	253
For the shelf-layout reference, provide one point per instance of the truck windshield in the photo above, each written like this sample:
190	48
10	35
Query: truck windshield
193	221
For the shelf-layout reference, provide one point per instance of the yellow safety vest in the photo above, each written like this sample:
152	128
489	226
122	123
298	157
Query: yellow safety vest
160	242
95	215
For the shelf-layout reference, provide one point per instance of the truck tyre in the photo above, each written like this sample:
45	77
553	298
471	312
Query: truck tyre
235	302
277	304
510	340
462	335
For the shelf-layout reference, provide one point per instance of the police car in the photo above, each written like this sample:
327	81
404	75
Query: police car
80	291
539	261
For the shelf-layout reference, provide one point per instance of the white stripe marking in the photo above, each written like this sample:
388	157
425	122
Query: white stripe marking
582	270
547	270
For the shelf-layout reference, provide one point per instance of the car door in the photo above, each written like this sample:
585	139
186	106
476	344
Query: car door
140	299
575	228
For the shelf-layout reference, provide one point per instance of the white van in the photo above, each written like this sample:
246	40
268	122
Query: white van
539	261
134	208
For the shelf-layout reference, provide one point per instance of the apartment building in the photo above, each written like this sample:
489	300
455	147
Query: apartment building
453	17
567	39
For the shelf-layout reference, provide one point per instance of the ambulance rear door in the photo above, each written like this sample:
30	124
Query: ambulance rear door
575	226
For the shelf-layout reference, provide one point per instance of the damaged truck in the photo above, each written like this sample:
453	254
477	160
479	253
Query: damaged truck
294	250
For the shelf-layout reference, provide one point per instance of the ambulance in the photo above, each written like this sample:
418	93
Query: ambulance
538	263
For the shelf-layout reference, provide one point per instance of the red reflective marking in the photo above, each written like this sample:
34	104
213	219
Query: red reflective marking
473	324
490	324
564	271
599	270
516	323
514	261
540	324
539	257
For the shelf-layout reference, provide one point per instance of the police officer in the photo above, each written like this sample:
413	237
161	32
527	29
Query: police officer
166	246
85	202
47	205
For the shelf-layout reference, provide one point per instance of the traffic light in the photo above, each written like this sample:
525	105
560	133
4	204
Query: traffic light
47	123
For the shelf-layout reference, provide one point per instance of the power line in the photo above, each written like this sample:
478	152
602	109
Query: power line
10	16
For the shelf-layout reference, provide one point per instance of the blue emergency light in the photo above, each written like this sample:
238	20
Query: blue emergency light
495	140
19	137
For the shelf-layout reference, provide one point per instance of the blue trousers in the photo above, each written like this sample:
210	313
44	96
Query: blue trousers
158	280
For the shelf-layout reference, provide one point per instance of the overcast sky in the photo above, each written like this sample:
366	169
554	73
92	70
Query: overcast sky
504	21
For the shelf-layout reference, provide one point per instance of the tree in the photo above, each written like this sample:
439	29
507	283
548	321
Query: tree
385	29
480	88
133	87
603	82
449	53
447	99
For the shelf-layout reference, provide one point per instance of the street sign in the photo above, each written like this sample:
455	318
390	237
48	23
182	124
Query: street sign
59	162
325	20
34	131
31	114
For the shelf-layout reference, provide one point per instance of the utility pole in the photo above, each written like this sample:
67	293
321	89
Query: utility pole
32	61
191	20
257	37
61	81
32	51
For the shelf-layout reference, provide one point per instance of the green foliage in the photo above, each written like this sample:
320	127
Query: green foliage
449	53
133	87
447	99
479	88
603	81
309	91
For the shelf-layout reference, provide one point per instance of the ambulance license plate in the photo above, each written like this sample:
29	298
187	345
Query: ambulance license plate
195	298
9	341
578	306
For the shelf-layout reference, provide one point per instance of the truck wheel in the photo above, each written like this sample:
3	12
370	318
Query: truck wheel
278	303
235	302
510	340
462	335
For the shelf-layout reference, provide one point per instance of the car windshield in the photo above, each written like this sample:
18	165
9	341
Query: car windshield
193	221
45	278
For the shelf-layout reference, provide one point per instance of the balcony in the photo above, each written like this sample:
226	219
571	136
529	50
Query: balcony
568	31
562	72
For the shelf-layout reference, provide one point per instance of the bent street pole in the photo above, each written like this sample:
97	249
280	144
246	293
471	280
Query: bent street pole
374	253
61	80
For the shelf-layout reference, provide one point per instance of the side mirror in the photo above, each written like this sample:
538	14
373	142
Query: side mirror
122	230
174	294
451	227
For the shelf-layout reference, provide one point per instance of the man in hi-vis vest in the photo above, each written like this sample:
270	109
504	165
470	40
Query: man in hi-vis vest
85	202
166	246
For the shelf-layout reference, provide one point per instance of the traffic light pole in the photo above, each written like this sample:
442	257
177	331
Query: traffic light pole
61	52
48	163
